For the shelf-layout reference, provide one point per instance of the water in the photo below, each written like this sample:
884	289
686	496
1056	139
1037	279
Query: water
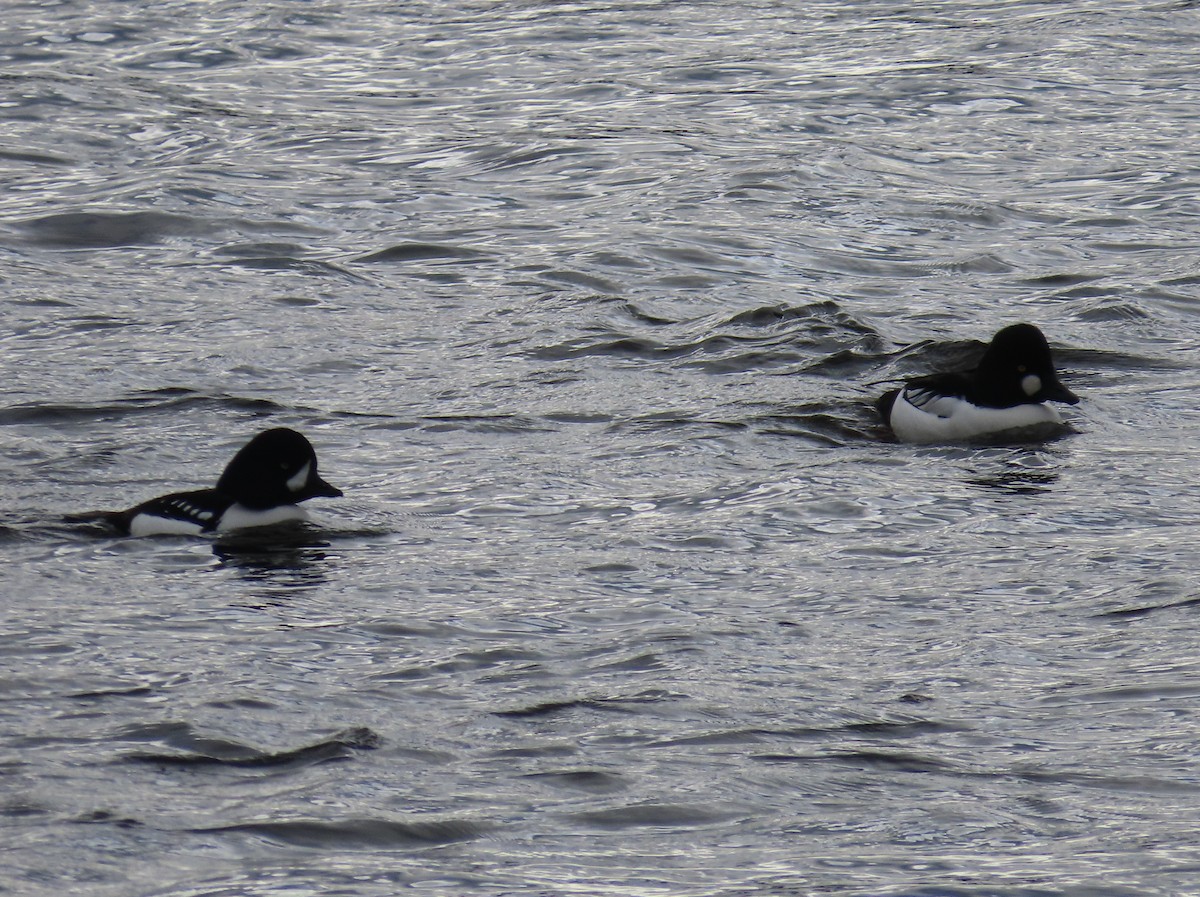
584	306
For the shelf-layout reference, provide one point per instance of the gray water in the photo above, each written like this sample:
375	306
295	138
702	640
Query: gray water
584	306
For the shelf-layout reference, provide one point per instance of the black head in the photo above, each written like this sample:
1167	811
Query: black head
276	467
1017	369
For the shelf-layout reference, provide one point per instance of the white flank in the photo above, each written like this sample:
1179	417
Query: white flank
957	420
149	525
238	517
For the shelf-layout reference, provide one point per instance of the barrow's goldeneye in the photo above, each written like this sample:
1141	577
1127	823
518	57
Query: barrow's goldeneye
263	485
1007	391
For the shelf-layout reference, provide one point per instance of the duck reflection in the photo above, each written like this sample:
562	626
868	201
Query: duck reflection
288	559
1023	473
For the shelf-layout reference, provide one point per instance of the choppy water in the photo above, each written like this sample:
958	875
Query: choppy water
583	306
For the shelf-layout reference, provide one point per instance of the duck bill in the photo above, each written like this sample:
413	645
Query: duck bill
318	488
1056	392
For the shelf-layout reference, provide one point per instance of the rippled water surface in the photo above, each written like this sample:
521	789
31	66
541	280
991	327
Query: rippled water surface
584	306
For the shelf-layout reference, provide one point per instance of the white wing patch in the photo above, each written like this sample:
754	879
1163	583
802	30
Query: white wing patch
187	509
931	402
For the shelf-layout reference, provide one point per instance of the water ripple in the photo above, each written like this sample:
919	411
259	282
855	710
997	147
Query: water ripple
630	590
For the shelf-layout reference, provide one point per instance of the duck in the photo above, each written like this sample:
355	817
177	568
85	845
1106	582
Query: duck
1007	391
262	486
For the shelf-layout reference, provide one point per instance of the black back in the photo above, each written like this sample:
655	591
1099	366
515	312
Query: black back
202	507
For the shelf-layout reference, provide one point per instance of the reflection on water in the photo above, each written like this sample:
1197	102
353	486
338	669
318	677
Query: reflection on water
1028	471
300	541
286	562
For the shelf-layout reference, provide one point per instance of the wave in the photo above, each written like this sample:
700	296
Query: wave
194	750
423	252
369	833
547	708
150	401
107	230
752	338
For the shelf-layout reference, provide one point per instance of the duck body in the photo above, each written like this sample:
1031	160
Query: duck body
1006	394
262	486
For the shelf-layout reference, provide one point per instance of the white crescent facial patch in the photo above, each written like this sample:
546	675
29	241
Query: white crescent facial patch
299	479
